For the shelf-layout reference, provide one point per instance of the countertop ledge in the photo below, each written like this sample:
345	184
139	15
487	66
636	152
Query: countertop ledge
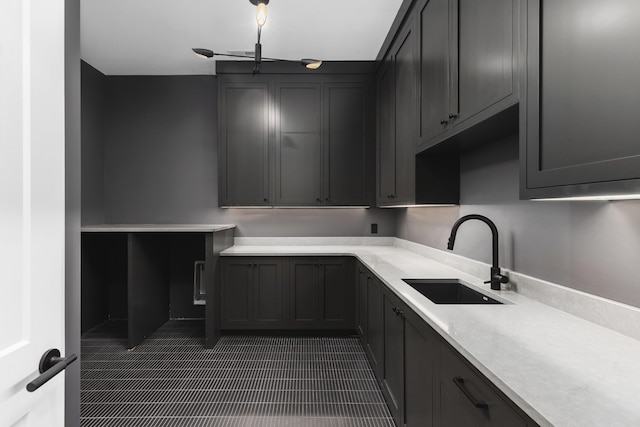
155	228
560	369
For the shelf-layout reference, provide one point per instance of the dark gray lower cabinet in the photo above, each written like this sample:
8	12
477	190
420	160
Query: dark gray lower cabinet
363	277
464	398
287	293
253	293
321	293
424	381
375	326
394	341
420	350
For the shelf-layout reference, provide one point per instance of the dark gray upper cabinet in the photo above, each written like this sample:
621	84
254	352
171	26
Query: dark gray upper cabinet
348	121
436	53
406	106
579	114
487	57
468	66
296	140
244	168
397	106
298	144
386	152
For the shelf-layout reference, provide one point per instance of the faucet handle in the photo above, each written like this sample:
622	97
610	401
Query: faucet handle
496	279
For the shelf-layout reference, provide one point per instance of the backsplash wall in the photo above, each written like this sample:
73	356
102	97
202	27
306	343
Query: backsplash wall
160	165
590	246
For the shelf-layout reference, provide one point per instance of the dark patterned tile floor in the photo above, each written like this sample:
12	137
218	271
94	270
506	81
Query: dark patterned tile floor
172	380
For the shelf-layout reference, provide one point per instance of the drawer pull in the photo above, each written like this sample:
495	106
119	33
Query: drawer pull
459	382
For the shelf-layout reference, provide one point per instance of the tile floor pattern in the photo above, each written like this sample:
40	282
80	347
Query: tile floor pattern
172	380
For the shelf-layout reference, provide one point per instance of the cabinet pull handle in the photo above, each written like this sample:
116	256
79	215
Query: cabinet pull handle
453	116
318	199
327	199
265	199
444	122
459	382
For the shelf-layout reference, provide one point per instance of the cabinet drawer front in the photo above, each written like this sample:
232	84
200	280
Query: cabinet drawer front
465	395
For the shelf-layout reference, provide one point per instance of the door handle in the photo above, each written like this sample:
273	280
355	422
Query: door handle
51	364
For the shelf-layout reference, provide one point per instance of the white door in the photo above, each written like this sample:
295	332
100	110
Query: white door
31	207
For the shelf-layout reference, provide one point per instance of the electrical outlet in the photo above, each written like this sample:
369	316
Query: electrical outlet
374	228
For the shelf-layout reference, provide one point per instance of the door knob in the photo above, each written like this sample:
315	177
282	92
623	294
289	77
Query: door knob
51	364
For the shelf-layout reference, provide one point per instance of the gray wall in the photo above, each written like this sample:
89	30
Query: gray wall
590	246
92	101
72	209
160	165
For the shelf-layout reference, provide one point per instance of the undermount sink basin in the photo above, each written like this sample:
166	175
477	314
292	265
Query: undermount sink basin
449	291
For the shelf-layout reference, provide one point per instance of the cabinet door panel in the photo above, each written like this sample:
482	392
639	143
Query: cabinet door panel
485	55
361	321
236	293
304	292
435	56
393	383
333	293
420	346
405	111
581	119
244	144
346	115
375	325
386	187
267	293
298	144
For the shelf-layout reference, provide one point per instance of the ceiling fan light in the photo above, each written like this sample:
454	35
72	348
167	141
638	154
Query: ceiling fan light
261	14
203	53
312	64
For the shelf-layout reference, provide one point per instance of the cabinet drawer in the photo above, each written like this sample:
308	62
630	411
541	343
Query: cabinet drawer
467	399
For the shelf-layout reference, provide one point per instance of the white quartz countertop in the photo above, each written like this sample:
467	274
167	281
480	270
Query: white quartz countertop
560	369
155	228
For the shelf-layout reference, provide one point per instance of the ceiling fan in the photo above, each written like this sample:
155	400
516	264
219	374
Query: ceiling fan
261	18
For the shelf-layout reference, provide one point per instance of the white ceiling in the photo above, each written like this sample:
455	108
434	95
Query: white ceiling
155	37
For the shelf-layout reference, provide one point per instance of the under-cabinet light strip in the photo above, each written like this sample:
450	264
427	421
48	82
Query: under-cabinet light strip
606	197
419	206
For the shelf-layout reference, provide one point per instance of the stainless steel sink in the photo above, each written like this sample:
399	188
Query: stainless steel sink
449	291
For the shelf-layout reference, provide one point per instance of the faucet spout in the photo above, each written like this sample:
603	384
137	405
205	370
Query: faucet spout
496	277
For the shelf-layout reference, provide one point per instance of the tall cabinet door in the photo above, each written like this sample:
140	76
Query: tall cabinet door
345	111
298	144
375	326
243	110
405	112
436	55
393	379
386	185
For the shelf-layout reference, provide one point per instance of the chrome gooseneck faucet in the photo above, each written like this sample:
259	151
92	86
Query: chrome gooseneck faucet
496	277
